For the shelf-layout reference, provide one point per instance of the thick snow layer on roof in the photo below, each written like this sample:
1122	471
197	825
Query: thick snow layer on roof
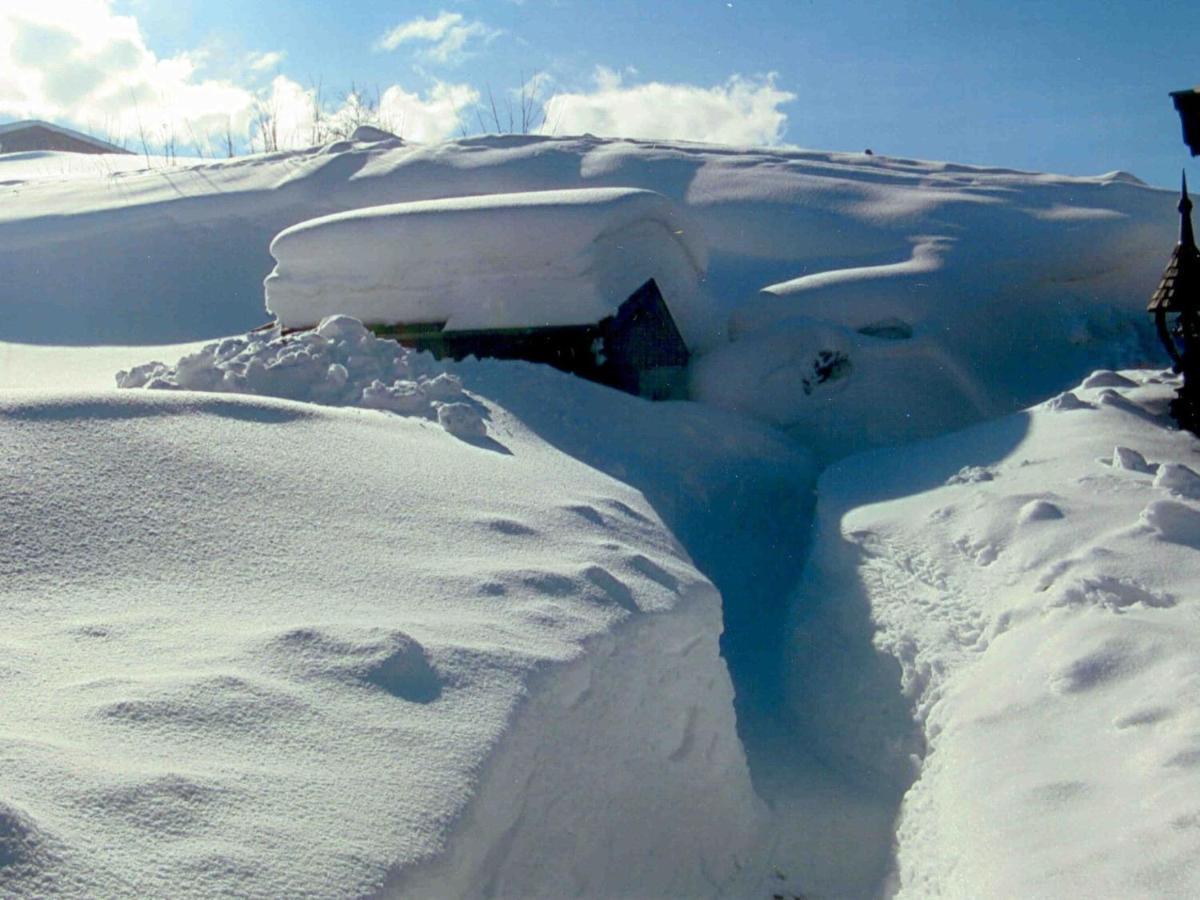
499	261
334	652
1034	581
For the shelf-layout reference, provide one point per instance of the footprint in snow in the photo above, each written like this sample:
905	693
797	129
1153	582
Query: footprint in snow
654	572
1111	593
1147	716
22	842
510	527
390	660
584	511
1113	660
614	589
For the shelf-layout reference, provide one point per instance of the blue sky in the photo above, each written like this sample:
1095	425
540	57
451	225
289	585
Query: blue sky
1067	87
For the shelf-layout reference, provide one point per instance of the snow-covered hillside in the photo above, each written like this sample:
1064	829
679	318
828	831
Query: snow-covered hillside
982	286
321	616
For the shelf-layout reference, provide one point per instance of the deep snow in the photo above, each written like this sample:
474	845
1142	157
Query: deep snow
535	259
1035	580
305	651
318	645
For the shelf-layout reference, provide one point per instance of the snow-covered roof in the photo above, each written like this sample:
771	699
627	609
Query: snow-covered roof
22	125
530	259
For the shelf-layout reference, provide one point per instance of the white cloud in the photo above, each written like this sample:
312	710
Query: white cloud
78	62
432	116
447	35
740	111
260	62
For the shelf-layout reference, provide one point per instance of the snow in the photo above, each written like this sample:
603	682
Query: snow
338	363
533	259
361	647
1044	624
318	615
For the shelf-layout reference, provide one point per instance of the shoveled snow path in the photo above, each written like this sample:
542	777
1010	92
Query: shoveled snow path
1029	583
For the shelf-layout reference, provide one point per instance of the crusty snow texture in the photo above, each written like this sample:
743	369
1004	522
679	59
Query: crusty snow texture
338	363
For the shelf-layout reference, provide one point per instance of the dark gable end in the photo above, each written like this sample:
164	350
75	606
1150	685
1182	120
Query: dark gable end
39	137
638	350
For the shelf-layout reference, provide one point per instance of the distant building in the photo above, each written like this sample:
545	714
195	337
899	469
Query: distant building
32	134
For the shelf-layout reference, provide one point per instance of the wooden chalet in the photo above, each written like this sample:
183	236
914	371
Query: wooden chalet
638	349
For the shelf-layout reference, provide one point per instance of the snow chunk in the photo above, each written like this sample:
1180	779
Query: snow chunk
502	261
1174	522
1106	378
1127	458
371	134
971	475
1178	479
338	363
1067	401
461	420
1039	511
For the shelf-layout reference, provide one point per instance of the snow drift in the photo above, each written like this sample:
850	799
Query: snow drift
334	651
526	260
831	277
313	651
1033	580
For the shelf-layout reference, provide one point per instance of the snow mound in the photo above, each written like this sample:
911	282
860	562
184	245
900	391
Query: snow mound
1129	459
1178	479
1042	625
541	258
338	363
305	651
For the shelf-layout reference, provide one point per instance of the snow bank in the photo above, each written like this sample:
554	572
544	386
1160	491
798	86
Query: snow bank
1035	592
986	287
338	363
308	651
500	261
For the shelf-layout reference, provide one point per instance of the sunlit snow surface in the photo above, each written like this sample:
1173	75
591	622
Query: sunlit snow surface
271	642
259	647
1035	578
